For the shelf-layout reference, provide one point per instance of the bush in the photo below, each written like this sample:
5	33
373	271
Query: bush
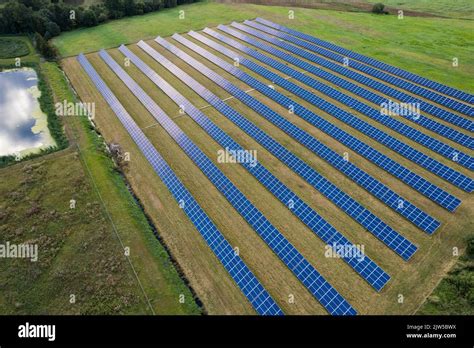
378	8
53	29
89	19
45	47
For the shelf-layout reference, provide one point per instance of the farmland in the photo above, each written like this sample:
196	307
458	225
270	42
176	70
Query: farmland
414	280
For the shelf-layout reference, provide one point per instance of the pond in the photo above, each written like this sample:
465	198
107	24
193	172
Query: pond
23	126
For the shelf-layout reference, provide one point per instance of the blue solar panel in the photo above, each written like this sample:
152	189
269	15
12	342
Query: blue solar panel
381	230
382	192
307	215
456	178
425	106
417	182
260	299
400	127
303	270
452	92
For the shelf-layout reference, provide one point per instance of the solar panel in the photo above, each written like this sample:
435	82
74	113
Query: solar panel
379	190
381	230
400	127
250	286
305	213
396	81
452	92
417	182
427	107
303	270
456	178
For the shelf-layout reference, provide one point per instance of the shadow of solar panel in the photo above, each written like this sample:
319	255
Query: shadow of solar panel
250	286
303	270
452	92
454	177
353	103
417	182
428	107
411	212
385	233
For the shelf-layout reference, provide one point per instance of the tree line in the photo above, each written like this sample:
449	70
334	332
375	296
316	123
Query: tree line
49	18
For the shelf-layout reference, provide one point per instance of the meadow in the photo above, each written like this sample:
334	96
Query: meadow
425	46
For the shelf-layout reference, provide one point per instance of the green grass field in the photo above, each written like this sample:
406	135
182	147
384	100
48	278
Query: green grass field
445	8
77	253
15	46
12	47
412	43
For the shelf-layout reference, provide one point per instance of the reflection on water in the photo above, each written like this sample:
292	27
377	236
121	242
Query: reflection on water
23	127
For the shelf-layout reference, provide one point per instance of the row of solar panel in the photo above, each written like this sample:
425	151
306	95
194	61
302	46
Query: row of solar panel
452	92
250	286
411	212
404	97
436	167
421	91
372	223
417	182
328	296
411	115
377	277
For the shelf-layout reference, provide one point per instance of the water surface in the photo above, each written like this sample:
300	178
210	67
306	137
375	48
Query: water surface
23	126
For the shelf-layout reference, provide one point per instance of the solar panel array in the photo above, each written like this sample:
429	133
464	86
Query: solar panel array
445	131
250	286
417	182
372	273
303	45
427	107
456	178
452	92
297	263
372	223
408	86
411	212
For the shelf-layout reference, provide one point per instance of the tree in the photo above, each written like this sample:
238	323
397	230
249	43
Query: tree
45	47
378	8
129	7
89	19
53	29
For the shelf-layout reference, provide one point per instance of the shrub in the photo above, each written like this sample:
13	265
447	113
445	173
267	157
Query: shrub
378	8
89	19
